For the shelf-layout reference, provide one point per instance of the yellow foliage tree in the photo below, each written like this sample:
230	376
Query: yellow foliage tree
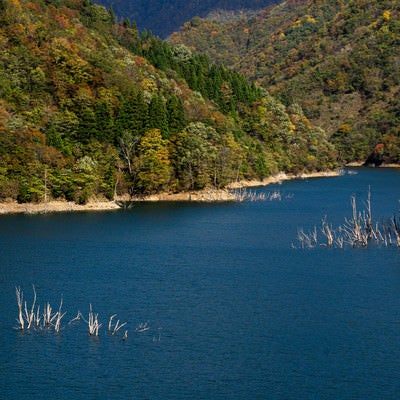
154	163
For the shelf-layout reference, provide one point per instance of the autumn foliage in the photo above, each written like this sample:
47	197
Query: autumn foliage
88	107
337	59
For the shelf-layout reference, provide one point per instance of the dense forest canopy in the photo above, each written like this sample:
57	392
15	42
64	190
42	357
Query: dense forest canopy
339	60
89	108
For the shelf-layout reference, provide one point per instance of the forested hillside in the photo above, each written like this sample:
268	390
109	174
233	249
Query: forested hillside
162	17
339	60
90	108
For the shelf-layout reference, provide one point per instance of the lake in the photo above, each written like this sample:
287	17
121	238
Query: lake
234	309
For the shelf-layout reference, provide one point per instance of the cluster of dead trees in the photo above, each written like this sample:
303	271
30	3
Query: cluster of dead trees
242	195
32	318
357	232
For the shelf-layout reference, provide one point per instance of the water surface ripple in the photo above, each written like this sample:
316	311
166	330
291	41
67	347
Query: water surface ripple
234	311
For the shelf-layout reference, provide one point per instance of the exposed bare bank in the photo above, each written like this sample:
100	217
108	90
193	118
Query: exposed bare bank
207	195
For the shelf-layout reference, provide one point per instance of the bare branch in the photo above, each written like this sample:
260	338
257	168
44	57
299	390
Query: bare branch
20	298
113	329
59	317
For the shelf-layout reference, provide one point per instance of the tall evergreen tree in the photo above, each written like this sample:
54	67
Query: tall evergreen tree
176	115
112	15
157	116
87	126
132	115
104	122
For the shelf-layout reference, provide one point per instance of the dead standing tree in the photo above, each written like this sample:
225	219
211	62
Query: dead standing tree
395	228
30	315
93	323
20	299
354	229
25	318
59	316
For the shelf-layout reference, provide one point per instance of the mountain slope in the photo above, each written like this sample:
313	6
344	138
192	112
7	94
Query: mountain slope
90	108
163	17
338	59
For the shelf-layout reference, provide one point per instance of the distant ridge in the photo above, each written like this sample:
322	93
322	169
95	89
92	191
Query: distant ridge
163	17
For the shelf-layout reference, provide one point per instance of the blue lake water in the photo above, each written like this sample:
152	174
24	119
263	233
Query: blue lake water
235	312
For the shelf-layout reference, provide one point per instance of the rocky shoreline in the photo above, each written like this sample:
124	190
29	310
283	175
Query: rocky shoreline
207	195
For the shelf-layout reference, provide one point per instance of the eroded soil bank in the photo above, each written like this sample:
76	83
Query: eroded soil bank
207	195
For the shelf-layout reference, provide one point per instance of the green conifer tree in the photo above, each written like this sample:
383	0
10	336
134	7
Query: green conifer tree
112	15
132	115
87	126
176	115
157	116
104	122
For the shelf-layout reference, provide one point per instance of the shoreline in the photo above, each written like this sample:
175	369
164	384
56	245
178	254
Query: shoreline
361	164
206	195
